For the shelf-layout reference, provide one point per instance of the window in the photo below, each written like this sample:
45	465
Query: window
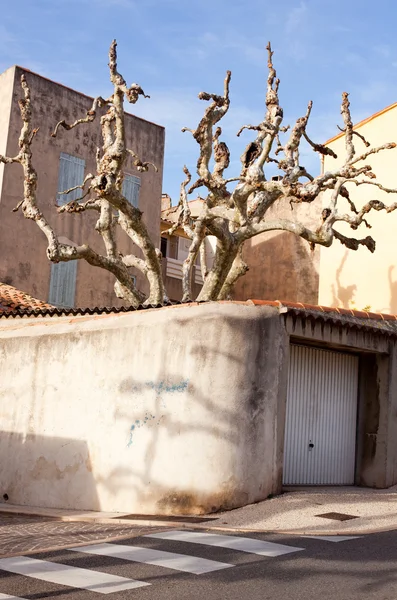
63	275
63	284
131	187
71	173
169	246
163	247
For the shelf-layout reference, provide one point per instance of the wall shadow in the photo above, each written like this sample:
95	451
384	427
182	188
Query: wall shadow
36	470
393	290
281	267
342	296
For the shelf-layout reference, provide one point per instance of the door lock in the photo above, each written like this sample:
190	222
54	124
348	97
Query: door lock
311	446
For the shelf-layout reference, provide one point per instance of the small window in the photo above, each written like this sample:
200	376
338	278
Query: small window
130	190
163	247
70	174
63	284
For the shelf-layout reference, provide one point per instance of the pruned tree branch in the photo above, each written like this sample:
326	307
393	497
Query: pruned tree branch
105	188
231	213
142	167
89	118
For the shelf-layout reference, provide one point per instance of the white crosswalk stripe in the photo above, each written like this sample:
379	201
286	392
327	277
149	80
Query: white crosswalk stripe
160	558
85	579
106	583
333	538
243	544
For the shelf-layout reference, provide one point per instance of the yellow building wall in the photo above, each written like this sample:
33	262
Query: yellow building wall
359	279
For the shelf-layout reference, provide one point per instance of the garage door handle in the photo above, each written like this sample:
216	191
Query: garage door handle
311	446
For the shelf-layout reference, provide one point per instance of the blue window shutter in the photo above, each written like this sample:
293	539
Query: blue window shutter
71	173
130	190
63	284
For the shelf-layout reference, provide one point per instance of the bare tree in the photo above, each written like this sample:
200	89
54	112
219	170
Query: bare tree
232	216
100	192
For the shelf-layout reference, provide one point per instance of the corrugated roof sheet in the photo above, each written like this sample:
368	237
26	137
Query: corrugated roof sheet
375	322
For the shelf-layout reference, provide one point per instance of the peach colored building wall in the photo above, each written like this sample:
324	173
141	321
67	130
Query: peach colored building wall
6	83
358	279
23	261
282	265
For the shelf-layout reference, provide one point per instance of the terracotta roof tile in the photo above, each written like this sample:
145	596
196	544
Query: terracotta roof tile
12	299
362	314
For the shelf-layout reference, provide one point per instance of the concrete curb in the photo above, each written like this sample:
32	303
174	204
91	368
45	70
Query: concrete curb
78	544
45	514
51	514
297	532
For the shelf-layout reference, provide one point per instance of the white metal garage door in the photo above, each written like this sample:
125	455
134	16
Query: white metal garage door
320	431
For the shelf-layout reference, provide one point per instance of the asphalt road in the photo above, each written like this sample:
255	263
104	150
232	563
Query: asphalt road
353	569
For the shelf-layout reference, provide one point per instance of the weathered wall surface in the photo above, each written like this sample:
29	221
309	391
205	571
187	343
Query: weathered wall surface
172	411
22	245
358	279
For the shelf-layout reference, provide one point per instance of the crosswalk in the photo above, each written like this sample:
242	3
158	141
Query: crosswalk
232	542
104	582
169	560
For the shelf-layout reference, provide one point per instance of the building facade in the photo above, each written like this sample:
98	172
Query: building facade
360	279
61	163
175	249
281	264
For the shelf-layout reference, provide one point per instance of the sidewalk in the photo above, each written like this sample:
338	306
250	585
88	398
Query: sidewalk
297	512
294	512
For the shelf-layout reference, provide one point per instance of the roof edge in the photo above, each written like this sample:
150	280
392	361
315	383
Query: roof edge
67	87
363	122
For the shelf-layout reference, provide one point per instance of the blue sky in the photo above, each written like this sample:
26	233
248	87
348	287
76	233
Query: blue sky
176	48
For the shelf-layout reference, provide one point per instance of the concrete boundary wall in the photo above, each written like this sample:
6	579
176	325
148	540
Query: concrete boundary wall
165	411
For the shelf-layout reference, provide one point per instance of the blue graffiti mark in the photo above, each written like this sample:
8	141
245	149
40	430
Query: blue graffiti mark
131	432
139	423
162	387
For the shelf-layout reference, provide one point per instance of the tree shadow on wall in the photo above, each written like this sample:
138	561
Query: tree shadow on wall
158	426
281	267
343	296
181	432
393	290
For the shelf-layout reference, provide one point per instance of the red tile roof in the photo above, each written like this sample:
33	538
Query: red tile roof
361	314
360	319
12	299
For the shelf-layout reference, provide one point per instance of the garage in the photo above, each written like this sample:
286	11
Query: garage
321	417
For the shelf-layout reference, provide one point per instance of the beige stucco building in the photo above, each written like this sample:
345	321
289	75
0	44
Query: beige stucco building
360	279
62	162
281	264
